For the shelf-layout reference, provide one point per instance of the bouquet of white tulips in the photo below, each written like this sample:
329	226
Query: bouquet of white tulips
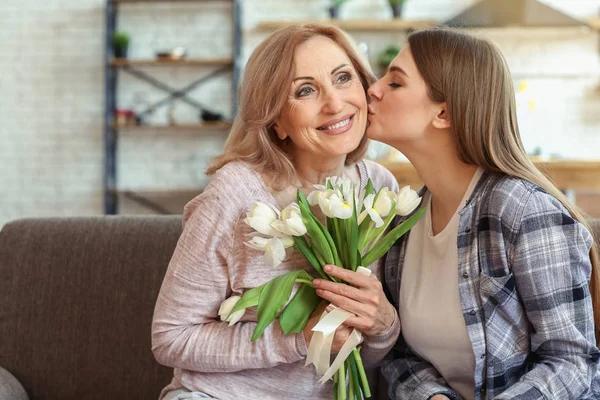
355	234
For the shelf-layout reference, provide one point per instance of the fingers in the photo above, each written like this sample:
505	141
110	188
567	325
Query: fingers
353	278
341	335
362	296
365	309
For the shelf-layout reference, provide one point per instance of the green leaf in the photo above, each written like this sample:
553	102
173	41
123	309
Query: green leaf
249	299
375	234
315	230
388	241
272	299
335	259
369	188
296	314
352	245
303	247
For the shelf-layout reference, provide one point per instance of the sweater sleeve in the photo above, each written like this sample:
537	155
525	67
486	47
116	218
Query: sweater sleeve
186	330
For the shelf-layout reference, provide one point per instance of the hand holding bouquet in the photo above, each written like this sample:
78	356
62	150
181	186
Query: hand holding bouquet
354	235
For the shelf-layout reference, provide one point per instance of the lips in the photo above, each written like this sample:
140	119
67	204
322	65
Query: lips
336	124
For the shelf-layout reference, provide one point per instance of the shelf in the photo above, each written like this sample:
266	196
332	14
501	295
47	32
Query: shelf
390	25
124	62
161	201
159	192
355	24
566	174
166	1
205	126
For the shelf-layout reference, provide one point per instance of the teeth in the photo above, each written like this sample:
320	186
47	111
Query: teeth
336	126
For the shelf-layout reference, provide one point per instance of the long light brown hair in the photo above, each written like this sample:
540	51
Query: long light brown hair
472	77
263	94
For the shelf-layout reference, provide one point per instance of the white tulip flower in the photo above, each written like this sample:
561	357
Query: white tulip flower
290	221
260	217
407	201
332	204
225	310
273	247
313	197
383	204
370	211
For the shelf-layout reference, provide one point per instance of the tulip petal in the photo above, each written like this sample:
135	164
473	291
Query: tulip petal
376	218
274	252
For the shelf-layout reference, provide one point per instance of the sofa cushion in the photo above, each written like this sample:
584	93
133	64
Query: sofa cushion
10	388
76	302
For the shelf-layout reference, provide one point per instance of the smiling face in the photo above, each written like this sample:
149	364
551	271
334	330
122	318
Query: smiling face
326	112
401	110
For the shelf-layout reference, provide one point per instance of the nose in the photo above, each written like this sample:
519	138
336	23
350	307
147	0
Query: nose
333	103
374	91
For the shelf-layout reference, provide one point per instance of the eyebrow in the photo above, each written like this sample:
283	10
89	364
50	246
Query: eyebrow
333	71
394	68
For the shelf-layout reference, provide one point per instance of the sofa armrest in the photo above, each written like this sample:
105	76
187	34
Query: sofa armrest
10	387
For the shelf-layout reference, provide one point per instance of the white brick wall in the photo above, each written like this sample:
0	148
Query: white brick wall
52	83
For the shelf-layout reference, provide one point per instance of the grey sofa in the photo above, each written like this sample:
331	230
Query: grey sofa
76	303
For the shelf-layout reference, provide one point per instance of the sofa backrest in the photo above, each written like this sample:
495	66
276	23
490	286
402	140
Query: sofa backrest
76	303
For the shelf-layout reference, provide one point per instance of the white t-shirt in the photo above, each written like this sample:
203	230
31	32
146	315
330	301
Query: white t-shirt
430	311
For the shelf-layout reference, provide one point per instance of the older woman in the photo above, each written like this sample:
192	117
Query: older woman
302	118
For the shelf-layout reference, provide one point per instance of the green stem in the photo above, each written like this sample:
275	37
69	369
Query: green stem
365	239
305	281
361	372
342	382
351	394
335	385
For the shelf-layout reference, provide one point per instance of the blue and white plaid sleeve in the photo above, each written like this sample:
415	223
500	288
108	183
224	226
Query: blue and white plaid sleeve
551	267
411	377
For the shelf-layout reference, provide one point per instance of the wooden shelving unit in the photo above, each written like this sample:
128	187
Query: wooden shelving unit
378	25
200	127
209	68
161	201
566	174
209	62
355	24
155	1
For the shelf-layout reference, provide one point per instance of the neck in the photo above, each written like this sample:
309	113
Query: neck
446	176
313	170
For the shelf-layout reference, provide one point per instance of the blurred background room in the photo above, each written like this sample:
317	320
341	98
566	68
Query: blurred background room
116	106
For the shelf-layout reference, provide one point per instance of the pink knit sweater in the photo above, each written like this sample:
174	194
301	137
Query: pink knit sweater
211	264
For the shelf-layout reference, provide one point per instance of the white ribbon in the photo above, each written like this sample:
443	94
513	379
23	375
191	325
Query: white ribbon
319	349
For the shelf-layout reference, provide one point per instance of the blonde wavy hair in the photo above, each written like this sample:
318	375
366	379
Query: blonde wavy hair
477	86
264	91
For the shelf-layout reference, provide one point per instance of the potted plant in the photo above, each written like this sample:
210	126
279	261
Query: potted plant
397	6
387	55
334	9
120	43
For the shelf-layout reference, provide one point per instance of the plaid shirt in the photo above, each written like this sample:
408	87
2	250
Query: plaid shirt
523	270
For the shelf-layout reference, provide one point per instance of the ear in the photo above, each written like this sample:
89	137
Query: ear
280	133
442	118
